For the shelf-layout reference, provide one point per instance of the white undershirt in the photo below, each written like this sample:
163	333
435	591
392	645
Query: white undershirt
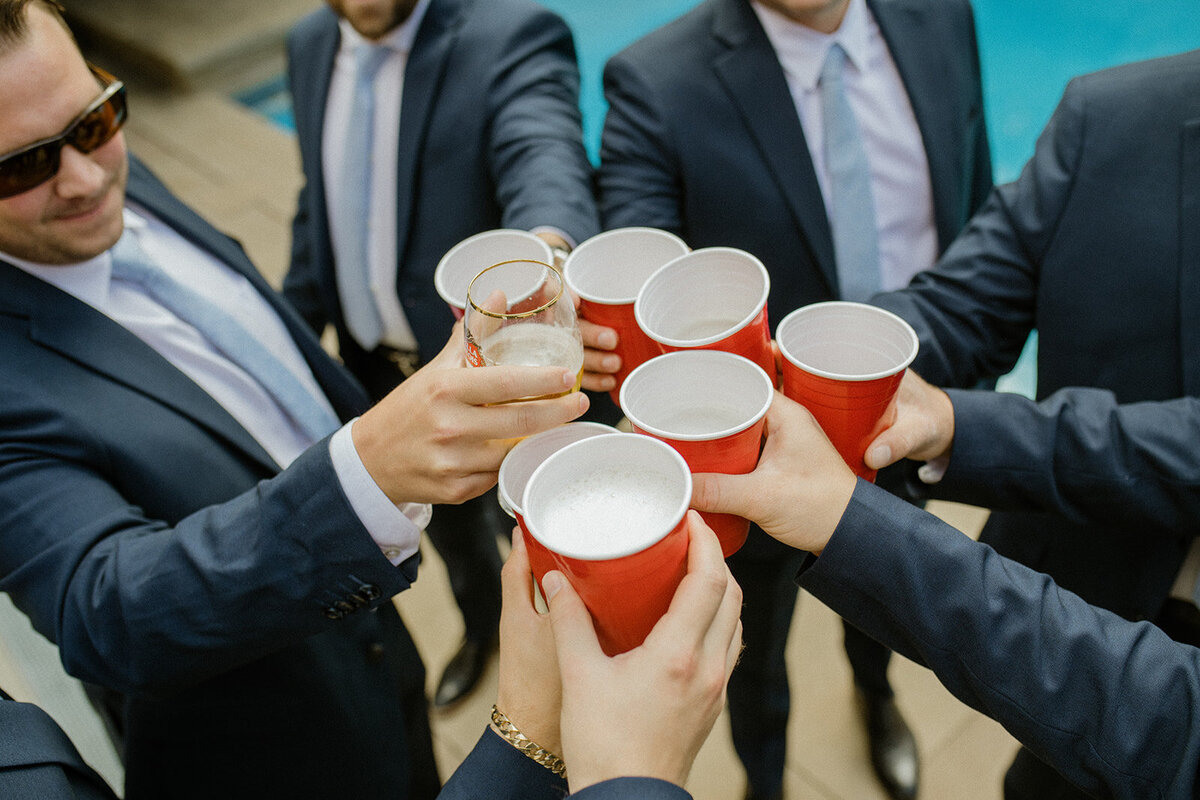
900	184
382	255
396	530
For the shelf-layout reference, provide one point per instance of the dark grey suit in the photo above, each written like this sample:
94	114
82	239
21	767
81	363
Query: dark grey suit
1097	246
241	611
702	139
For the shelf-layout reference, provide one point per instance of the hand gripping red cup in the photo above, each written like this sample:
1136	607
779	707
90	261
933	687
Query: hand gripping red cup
843	362
714	298
709	405
520	463
606	272
611	512
461	263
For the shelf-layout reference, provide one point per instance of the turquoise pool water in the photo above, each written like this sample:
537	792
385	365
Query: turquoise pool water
1029	50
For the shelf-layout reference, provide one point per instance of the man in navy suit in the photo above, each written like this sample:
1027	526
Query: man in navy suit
1110	703
204	541
476	126
1096	247
716	130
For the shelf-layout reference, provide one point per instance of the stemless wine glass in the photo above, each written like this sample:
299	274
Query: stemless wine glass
518	313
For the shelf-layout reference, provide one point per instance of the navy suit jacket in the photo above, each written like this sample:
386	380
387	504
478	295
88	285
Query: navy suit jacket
1080	454
39	762
1097	246
490	136
495	770
1111	704
702	137
241	610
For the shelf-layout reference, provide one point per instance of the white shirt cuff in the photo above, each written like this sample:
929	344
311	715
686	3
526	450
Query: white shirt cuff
395	528
557	232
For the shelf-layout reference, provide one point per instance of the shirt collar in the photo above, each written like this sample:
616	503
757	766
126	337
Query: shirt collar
399	39
87	280
802	51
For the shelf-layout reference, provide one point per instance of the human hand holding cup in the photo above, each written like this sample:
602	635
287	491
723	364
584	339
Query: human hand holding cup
844	362
711	407
714	298
610	513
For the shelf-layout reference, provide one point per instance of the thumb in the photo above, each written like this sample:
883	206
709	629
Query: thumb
574	633
888	447
720	494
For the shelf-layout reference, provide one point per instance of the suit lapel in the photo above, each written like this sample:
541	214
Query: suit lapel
423	77
343	391
750	73
1189	256
921	63
312	79
75	330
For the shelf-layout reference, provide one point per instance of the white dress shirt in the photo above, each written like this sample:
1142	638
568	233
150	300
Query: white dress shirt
395	530
382	255
900	184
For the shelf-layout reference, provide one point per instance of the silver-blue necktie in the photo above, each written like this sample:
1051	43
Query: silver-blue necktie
852	209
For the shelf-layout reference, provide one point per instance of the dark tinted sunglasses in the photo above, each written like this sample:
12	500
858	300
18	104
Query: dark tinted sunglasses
33	165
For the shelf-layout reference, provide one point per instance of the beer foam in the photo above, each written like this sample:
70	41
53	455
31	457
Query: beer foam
609	513
534	345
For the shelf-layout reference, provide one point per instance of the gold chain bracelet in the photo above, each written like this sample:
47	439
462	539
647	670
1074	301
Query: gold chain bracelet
513	736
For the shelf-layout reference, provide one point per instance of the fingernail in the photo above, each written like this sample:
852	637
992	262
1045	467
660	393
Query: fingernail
612	363
568	378
552	582
608	340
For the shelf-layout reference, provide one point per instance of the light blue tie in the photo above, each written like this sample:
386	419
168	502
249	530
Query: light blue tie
130	263
353	270
852	211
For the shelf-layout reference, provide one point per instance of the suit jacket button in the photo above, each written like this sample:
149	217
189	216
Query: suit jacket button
375	651
343	606
333	613
370	591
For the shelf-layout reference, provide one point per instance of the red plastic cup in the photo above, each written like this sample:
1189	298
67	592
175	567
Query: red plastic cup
472	255
610	512
520	463
714	298
606	272
709	405
843	362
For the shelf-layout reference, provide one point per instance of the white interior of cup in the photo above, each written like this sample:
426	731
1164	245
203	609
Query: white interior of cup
696	395
702	297
475	253
846	341
531	451
611	267
606	497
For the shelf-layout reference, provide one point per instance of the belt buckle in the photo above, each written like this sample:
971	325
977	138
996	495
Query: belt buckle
408	362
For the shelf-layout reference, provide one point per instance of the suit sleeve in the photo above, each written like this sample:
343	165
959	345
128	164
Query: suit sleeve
1080	454
540	168
975	308
637	180
144	607
1107	702
494	770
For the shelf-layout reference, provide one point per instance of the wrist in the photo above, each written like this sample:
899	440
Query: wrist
528	747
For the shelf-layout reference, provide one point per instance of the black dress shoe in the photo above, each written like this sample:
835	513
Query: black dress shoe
893	748
463	672
753	795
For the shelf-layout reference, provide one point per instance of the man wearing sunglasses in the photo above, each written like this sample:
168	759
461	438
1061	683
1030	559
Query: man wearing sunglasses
189	506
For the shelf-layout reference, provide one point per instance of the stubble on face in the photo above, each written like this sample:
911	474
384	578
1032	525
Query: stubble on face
78	213
373	19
